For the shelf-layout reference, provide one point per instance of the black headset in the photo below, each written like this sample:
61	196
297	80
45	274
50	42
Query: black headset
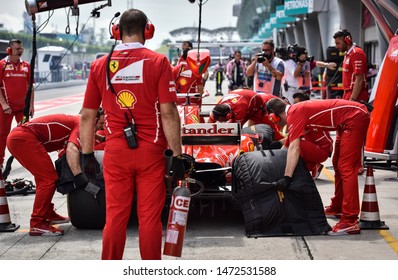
272	116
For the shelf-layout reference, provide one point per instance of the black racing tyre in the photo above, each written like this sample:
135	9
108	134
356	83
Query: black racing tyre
264	131
269	212
86	211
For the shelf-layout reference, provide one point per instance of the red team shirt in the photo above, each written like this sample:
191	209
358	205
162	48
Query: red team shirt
130	65
54	131
355	64
243	103
14	78
262	116
320	116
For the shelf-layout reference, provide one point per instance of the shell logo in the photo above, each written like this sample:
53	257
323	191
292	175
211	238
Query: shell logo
183	82
126	99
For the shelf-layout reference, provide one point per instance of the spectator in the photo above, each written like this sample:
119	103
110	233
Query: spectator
218	74
249	79
236	72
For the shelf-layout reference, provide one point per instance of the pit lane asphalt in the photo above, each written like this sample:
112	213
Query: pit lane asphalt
220	237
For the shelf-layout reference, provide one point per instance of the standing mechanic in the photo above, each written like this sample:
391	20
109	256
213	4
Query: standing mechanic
186	46
14	83
268	70
186	81
354	67
141	122
354	71
30	144
350	120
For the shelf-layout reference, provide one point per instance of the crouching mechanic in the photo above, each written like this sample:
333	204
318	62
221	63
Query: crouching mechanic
350	120
241	106
30	144
315	146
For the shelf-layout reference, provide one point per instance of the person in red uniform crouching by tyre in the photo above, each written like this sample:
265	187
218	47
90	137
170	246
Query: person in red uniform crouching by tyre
14	83
141	121
30	144
350	120
315	146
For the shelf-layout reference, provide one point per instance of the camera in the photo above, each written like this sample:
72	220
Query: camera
129	133
282	53
262	56
310	59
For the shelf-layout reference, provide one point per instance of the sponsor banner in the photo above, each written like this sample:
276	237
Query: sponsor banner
298	7
281	16
211	129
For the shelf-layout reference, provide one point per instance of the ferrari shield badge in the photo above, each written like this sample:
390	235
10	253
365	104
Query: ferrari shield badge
113	65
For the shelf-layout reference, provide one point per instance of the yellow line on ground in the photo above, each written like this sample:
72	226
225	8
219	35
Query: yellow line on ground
390	239
328	174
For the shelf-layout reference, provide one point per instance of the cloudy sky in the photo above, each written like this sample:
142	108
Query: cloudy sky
166	15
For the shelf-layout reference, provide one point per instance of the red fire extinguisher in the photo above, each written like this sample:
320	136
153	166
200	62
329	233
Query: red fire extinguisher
177	223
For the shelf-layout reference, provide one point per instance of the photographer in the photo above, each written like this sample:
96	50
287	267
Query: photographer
297	72
267	69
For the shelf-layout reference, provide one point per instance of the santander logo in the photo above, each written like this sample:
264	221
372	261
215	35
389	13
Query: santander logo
211	129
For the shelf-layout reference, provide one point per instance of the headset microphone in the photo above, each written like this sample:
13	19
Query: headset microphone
114	28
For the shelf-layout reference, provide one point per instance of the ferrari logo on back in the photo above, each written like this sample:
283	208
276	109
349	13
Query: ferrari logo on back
113	65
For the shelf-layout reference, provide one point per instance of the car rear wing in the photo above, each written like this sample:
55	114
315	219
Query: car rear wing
211	134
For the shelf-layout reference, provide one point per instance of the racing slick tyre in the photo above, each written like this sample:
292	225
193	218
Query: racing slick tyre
264	131
269	212
86	211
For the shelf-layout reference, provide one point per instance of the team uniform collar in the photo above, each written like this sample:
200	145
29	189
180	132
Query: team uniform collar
9	61
287	108
128	46
350	50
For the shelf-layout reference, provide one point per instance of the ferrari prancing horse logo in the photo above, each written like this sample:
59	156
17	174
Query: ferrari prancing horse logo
113	65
